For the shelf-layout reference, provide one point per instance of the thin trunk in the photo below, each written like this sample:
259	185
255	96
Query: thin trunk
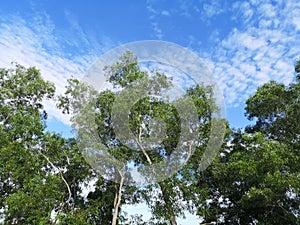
165	195
168	203
117	201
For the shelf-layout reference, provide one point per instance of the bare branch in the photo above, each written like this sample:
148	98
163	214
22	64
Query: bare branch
61	175
139	142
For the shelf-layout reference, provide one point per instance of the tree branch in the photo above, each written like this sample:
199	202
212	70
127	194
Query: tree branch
61	175
139	143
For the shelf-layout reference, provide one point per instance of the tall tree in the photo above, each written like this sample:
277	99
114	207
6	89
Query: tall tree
21	178
41	173
256	179
165	197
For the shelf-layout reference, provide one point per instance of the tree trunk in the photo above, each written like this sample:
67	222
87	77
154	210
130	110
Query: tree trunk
168	203
117	202
165	195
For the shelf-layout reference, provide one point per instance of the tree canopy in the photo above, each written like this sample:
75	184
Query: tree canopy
146	113
256	179
44	177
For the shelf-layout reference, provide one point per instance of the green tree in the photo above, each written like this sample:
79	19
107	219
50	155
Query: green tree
21	130
42	172
252	183
164	198
256	179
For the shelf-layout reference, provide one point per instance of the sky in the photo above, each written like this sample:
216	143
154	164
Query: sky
243	43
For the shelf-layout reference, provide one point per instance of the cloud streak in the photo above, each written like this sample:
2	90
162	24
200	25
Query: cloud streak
36	42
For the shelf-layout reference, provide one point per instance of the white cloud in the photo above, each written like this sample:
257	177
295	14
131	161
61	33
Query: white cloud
153	18
157	31
165	13
186	7
212	9
264	49
263	45
33	42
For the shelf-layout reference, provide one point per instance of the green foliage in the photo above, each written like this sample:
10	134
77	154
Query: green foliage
146	114
125	71
252	184
256	179
276	109
39	172
297	67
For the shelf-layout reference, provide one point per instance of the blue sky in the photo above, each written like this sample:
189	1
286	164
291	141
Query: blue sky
244	43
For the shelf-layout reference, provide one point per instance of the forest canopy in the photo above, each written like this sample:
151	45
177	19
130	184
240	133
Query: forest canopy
255	179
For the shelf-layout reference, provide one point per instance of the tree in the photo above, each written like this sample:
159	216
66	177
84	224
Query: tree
50	191
22	91
276	109
256	179
41	173
166	196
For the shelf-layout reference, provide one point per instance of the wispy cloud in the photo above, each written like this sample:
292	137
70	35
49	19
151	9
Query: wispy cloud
153	18
264	49
249	42
165	13
211	9
37	42
260	43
